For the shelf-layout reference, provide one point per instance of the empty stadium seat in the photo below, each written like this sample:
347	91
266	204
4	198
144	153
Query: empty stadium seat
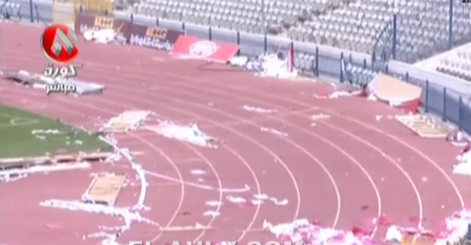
359	25
457	63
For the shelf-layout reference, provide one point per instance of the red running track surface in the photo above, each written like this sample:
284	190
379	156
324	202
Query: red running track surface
343	171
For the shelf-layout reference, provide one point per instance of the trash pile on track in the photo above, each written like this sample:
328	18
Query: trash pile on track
456	228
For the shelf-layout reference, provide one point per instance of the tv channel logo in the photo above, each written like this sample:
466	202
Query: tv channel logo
58	43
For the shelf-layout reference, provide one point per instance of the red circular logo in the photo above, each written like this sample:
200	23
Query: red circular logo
59	43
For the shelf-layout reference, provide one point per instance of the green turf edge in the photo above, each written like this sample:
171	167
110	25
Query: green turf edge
17	139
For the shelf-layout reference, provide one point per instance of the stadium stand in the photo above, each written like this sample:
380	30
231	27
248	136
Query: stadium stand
10	10
457	63
363	25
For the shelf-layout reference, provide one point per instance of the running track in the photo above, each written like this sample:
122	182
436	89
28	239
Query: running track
341	172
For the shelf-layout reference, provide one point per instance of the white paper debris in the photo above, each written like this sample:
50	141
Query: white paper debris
282	202
463	167
45	131
257	202
198	185
213	203
320	116
188	133
456	227
128	120
235	199
197	172
261	196
393	235
258	109
124	213
41	137
338	94
211	213
302	230
274	131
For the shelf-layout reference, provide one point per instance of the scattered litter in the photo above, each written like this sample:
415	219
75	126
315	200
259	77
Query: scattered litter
213	203
104	36
458	138
463	166
380	117
279	202
302	230
197	185
16	174
45	131
128	120
313	124
124	213
78	142
197	172
235	199
41	137
257	202
268	65
454	230
128	214
320	116
211	213
188	133
258	109
423	126
338	94
393	235
424	179
260	196
273	131
196	227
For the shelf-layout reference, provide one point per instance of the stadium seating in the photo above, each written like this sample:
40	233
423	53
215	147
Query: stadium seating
357	25
457	63
10	10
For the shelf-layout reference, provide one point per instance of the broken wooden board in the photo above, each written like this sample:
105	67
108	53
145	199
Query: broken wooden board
104	189
7	163
418	239
125	121
423	126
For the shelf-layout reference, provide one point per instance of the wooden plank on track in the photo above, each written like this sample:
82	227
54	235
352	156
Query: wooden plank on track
104	189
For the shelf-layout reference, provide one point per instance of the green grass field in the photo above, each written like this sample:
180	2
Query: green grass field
25	134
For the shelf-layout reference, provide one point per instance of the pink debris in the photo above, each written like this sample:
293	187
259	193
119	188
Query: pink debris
316	222
364	207
358	232
382	220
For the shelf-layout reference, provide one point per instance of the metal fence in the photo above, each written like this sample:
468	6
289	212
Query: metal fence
443	95
430	27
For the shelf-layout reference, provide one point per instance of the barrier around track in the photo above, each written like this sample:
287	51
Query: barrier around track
443	95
